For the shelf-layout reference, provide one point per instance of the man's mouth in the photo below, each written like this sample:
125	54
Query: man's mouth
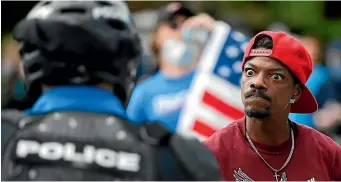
257	96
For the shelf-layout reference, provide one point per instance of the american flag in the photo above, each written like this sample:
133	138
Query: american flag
214	98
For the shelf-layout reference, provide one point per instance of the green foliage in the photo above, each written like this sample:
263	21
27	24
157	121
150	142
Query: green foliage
306	16
6	38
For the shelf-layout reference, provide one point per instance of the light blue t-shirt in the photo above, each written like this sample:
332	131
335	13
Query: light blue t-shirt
159	99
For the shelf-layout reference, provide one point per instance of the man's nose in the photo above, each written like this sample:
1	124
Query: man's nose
259	82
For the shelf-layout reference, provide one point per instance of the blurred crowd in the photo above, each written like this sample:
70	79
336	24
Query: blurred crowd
165	72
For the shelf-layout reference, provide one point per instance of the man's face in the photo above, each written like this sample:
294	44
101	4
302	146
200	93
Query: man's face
170	30
267	87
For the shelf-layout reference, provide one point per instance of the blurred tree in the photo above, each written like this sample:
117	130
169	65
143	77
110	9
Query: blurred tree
310	16
255	14
332	10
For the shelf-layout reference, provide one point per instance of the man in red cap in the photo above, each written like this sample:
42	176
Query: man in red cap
265	145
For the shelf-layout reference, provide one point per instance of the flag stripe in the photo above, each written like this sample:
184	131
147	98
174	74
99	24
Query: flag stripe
222	107
224	90
212	117
202	128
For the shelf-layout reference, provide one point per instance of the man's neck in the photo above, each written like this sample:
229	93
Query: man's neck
271	131
104	86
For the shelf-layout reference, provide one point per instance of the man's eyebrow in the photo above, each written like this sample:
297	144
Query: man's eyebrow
271	69
278	69
250	64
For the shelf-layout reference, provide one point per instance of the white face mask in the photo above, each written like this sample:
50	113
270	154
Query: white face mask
197	35
179	53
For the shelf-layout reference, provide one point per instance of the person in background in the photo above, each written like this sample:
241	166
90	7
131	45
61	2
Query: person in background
11	82
145	22
12	87
318	78
328	117
160	97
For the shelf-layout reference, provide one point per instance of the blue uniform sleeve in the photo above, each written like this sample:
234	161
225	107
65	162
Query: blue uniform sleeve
135	110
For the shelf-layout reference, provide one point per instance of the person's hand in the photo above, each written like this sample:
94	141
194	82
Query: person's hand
202	20
329	116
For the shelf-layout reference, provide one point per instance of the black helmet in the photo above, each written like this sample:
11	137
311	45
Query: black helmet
80	42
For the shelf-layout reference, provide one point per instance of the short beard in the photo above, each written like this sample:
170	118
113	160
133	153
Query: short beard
257	114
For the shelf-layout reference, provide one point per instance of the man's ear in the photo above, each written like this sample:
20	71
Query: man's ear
297	91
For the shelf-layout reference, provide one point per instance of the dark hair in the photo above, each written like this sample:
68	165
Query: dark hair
263	42
267	43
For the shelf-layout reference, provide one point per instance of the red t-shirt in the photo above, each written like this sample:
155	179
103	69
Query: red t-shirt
316	156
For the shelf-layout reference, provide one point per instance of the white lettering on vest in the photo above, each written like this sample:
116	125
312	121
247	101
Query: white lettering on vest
103	157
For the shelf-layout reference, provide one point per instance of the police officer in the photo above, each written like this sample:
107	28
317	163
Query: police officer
80	60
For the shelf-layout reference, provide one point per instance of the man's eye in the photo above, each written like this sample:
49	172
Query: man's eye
249	72
277	77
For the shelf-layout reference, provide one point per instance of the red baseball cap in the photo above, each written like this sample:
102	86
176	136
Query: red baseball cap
290	52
